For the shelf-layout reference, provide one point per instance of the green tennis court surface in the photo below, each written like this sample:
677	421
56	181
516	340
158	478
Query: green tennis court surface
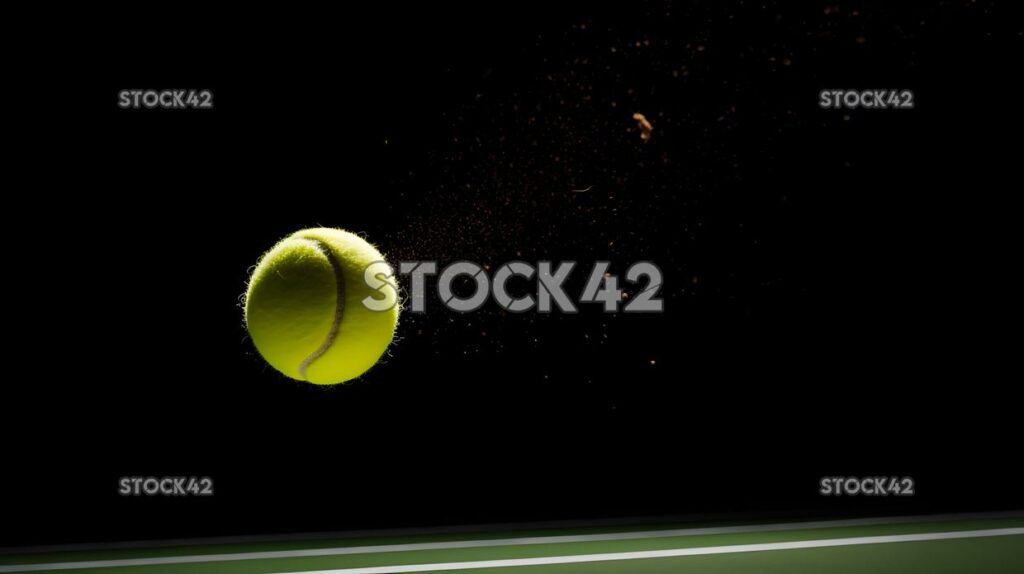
949	544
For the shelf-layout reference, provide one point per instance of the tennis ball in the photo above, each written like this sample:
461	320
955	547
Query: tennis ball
305	309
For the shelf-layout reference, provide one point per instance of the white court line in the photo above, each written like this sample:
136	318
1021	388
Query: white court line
672	553
485	543
449	531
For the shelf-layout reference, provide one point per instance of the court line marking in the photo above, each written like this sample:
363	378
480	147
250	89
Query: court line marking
452	531
735	549
461	544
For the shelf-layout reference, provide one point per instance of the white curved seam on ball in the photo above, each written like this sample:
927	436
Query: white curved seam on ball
339	309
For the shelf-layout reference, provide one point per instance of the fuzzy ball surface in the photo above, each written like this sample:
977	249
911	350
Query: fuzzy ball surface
306	309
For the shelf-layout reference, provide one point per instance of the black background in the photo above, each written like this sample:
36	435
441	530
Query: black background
836	282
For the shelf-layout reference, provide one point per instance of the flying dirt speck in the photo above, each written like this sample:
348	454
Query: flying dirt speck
645	126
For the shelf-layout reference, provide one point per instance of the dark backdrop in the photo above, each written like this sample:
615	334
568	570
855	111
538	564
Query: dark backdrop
836	283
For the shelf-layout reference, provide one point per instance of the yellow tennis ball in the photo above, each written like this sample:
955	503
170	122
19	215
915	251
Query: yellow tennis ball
322	306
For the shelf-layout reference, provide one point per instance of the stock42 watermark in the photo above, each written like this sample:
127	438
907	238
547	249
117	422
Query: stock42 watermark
480	284
165	99
866	486
165	486
866	99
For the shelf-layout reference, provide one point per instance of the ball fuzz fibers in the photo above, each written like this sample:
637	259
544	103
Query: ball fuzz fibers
305	309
